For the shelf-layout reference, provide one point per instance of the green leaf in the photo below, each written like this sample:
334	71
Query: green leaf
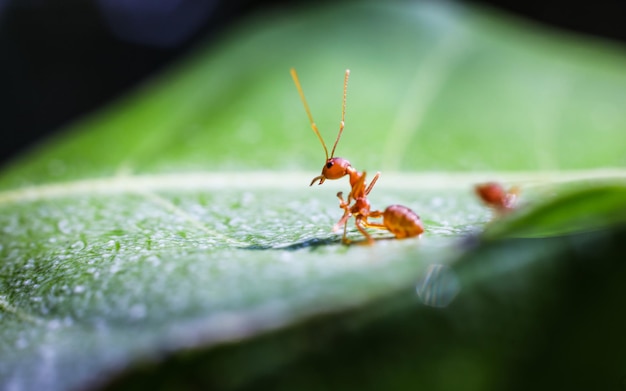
172	239
581	208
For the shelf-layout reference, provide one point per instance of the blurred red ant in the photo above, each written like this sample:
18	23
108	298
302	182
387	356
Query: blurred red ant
397	219
494	196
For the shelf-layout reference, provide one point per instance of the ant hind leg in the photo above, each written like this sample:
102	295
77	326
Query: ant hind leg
359	225
372	183
375	214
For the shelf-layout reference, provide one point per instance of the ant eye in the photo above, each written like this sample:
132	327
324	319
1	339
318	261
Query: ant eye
329	164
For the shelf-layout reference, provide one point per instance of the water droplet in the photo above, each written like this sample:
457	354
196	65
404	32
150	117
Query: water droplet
54	324
21	343
115	267
64	226
138	311
78	245
438	287
153	260
79	289
436	202
68	321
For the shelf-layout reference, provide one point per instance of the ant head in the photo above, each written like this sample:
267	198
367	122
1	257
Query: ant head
335	168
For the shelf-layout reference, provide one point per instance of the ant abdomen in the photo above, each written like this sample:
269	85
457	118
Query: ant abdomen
402	221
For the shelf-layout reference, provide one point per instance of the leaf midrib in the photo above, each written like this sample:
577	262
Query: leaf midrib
294	181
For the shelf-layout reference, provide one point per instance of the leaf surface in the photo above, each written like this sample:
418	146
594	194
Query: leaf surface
180	218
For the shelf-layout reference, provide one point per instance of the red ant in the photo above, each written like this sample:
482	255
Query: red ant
397	219
494	196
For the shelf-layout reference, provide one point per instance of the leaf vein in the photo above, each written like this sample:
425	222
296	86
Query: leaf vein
428	80
190	218
6	307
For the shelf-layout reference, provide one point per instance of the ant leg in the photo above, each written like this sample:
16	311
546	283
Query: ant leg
375	225
357	188
369	188
375	214
368	237
342	204
344	238
344	219
510	198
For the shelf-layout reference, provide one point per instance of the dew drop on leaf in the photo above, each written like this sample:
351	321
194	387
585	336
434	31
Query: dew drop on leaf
64	226
438	287
78	245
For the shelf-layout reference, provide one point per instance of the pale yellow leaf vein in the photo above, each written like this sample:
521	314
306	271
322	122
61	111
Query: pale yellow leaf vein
287	181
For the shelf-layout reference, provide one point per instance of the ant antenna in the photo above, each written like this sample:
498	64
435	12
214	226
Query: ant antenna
343	111
294	75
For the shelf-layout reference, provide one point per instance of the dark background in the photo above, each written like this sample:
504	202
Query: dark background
60	59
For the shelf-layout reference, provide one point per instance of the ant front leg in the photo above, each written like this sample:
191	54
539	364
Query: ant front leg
343	204
344	219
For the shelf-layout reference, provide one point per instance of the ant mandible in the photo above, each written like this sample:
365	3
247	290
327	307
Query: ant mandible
397	219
